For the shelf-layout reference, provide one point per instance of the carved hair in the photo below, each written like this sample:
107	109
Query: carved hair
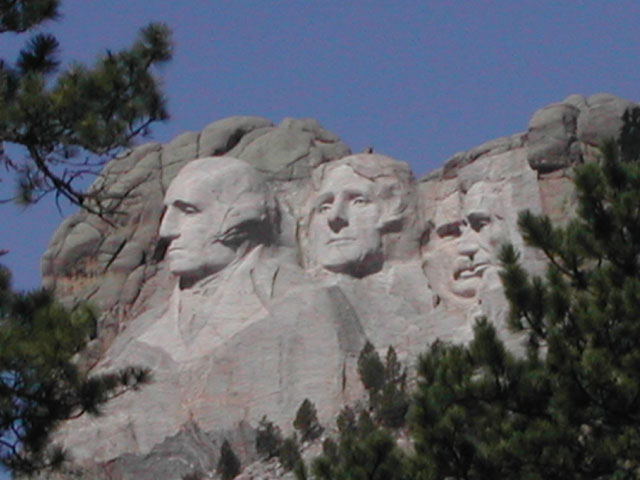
254	217
394	184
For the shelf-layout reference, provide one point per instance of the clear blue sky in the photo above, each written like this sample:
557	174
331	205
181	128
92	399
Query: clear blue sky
417	79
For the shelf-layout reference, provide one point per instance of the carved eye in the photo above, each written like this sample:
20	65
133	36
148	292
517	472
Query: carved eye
186	208
190	210
449	230
324	207
360	201
479	221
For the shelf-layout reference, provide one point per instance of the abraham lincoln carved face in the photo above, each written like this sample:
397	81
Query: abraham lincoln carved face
462	249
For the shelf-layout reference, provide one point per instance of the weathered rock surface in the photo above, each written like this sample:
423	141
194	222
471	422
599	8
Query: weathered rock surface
113	265
364	252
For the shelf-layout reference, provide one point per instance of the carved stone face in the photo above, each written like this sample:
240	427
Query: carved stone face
192	223
464	243
345	221
213	206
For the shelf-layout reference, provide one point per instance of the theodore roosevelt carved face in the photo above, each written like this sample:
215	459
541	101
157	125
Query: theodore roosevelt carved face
464	242
356	202
217	209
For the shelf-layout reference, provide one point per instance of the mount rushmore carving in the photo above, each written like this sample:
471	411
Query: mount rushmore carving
249	274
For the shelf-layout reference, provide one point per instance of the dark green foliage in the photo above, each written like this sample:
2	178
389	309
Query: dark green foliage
40	385
363	451
66	123
268	438
269	443
371	369
386	385
55	126
39	56
629	145
475	409
228	463
21	15
306	421
569	407
300	471
289	453
393	401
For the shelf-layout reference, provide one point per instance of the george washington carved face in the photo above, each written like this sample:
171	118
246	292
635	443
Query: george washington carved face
216	210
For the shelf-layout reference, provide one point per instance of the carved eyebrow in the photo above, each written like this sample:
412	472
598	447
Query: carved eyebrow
479	215
326	197
451	229
477	220
354	193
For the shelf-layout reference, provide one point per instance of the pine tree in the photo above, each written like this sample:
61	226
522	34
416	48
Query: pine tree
268	438
228	463
289	453
363	451
392	403
306	421
63	124
371	370
385	384
56	125
570	407
40	385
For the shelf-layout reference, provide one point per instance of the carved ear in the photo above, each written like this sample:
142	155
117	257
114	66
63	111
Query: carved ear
249	219
392	217
249	207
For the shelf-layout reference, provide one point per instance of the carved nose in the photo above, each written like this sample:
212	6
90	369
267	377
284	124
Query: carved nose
468	248
468	244
337	223
168	227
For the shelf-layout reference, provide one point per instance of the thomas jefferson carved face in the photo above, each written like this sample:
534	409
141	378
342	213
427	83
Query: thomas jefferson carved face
214	209
463	246
345	223
359	203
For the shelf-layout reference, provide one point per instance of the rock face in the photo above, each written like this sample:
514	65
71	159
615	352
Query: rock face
250	279
114	264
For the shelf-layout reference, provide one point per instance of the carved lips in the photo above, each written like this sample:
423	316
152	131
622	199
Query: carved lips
466	271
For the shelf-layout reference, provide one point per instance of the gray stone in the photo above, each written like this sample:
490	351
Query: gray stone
189	451
492	147
551	134
81	241
290	273
287	153
128	258
578	101
221	137
76	262
248	139
602	119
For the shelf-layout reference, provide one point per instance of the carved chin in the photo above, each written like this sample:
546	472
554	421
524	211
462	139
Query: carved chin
361	266
466	287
